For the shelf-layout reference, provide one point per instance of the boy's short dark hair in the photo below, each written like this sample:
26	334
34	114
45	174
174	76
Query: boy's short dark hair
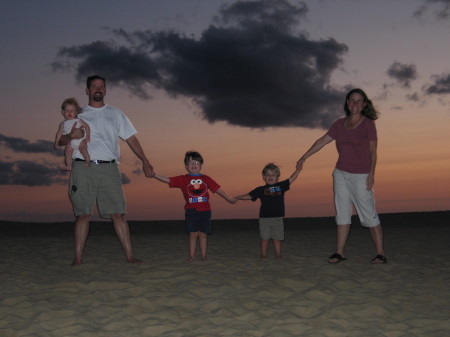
193	155
92	78
271	167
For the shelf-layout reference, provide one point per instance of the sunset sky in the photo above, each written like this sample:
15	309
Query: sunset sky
242	82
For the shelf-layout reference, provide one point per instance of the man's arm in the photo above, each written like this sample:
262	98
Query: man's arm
135	146
75	133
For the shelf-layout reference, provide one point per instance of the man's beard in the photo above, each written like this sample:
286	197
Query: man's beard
98	97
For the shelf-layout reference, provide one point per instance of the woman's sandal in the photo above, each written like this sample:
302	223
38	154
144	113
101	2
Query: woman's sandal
338	258
379	259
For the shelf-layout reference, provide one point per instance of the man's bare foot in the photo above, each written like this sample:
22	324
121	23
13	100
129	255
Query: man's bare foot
76	262
66	168
190	259
135	261
87	164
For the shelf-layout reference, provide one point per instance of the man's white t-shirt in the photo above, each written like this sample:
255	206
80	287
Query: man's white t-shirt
107	124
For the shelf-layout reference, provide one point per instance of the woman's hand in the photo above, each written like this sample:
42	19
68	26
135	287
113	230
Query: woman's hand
300	162
370	182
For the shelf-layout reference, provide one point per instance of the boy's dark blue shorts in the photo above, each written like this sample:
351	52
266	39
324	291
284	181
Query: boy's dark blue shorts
196	221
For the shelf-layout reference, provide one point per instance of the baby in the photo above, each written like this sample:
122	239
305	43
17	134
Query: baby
70	110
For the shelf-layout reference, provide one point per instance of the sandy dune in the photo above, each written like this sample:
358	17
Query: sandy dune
233	293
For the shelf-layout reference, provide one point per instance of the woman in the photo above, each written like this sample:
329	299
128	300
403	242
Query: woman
353	177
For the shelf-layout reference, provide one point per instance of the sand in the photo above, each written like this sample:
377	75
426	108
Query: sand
233	293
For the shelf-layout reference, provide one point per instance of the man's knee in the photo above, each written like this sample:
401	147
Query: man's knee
83	217
118	216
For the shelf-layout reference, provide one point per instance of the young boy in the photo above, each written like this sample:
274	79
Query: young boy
271	213
195	187
70	110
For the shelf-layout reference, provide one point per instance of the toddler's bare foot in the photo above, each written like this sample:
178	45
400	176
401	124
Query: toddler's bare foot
135	261
76	262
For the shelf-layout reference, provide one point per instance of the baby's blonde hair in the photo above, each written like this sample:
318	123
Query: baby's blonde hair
70	101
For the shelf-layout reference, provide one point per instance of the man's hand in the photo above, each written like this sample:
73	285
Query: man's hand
75	133
148	169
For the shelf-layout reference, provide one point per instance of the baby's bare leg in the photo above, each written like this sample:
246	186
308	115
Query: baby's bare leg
68	151
84	151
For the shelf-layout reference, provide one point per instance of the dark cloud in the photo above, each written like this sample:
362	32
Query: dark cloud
30	173
403	73
125	179
441	85
23	145
440	9
413	97
137	172
250	68
6	170
26	172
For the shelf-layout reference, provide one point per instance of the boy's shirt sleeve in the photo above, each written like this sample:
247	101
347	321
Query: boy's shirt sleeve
176	181
255	194
213	186
285	185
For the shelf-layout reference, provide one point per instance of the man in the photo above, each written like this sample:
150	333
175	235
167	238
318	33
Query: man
101	181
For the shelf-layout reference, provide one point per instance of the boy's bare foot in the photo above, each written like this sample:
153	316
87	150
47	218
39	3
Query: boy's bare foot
87	164
66	168
204	258
263	257
135	261
190	259
279	257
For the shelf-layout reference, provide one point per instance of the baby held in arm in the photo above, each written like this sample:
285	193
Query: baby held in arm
70	110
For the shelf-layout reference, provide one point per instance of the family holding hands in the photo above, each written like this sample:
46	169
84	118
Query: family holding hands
90	136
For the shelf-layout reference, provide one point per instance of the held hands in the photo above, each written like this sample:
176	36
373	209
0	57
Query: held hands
299	165
148	169
242	197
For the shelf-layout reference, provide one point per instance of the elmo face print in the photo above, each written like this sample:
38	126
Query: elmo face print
197	188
